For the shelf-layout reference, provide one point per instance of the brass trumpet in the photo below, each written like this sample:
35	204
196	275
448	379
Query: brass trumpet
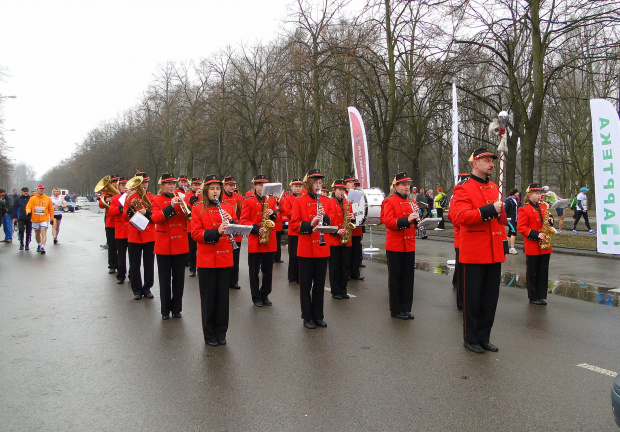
106	188
184	207
134	184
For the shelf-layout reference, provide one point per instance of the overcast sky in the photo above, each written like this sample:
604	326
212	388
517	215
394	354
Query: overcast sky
74	64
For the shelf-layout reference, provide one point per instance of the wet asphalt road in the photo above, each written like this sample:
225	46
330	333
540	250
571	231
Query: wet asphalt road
78	353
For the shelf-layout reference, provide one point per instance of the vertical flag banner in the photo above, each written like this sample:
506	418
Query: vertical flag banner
455	134
606	146
360	147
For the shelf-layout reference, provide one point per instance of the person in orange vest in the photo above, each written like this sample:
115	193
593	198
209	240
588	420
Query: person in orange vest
400	219
483	246
308	212
41	209
530	224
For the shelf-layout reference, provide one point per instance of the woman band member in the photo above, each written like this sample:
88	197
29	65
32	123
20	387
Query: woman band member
214	260
530	225
297	186
192	197
339	253
313	256
400	219
121	230
236	201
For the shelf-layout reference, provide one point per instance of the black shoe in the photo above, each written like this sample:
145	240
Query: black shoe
55	241
21	246
359	278
177	315
38	248
192	273
267	302
258	303
309	324
43	252
27	247
137	296
112	271
278	261
473	347
221	341
488	346
539	302
346	296
149	295
235	287
120	281
320	323
165	317
409	315
399	315
337	297
293	282
362	266
212	343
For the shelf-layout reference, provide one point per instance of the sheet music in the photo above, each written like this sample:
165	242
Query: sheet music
139	221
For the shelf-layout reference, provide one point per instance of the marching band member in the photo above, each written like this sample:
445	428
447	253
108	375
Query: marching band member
530	225
141	244
215	260
339	253
287	208
183	185
457	278
193	197
356	245
121	230
236	201
171	246
260	256
277	256
400	219
110	225
313	256
482	248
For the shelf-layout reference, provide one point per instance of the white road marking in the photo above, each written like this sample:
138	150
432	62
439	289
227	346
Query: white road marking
330	290
598	369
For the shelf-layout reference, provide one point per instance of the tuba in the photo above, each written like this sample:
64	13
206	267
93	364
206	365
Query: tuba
106	188
547	230
348	225
143	200
266	223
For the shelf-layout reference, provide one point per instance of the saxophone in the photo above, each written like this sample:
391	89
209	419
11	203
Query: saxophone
266	223
547	230
348	225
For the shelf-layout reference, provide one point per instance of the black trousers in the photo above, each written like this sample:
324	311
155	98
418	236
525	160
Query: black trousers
537	276
234	275
112	253
440	215
214	284
339	261
480	295
139	253
277	257
312	287
171	272
356	257
260	262
578	215
293	261
121	253
457	281
24	227
191	256
400	280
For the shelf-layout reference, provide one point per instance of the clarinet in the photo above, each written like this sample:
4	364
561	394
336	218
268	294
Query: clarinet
318	204
232	237
414	207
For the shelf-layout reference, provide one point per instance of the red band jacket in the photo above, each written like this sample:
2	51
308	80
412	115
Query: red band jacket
170	226
121	230
482	239
252	214
286	207
400	234
236	202
135	235
337	218
110	220
214	250
304	210
529	224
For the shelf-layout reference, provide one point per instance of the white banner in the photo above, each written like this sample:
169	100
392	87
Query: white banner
455	134
606	146
360	147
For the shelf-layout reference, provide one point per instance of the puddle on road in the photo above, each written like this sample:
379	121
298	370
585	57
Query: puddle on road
605	295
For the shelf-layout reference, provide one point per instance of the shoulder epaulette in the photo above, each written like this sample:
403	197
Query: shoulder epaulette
462	182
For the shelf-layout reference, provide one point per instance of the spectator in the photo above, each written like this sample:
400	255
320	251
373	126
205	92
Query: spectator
582	210
429	201
512	209
5	217
552	198
420	198
23	219
438	198
13	201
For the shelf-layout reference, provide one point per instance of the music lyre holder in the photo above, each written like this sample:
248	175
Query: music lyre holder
272	189
242	230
